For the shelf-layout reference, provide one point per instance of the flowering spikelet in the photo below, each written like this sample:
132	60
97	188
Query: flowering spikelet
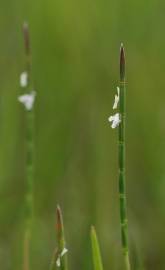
28	100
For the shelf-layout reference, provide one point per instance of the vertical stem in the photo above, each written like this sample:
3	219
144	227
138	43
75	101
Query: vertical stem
26	250
121	142
27	47
29	158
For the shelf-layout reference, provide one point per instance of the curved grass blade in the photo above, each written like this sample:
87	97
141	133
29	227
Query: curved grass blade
97	261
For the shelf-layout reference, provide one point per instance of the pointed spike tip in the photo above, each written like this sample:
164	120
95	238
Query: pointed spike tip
122	63
26	36
58	207
92	229
93	232
121	45
58	213
97	261
25	25
59	222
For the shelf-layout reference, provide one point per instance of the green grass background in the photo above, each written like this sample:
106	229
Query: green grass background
75	47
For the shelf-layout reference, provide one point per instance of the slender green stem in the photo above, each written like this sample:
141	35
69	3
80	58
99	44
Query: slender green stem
54	259
26	249
29	157
28	61
121	143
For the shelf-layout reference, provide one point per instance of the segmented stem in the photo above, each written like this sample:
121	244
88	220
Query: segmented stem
121	143
29	157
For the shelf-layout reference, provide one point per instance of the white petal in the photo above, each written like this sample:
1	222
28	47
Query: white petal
115	119
24	79
116	99
116	102
110	119
58	262
28	100
118	90
64	251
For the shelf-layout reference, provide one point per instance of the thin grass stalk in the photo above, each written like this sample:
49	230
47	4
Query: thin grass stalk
59	260
54	259
97	260
121	145
29	156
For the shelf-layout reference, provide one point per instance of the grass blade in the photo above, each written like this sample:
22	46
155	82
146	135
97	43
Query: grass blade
97	261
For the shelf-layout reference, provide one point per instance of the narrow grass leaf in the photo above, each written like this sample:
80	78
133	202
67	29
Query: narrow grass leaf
97	261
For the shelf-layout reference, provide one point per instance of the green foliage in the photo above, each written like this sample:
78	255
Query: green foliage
75	47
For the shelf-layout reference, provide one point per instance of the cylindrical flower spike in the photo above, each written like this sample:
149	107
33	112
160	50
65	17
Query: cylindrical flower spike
121	145
27	47
122	63
26	36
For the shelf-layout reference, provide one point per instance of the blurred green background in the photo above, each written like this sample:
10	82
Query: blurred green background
75	47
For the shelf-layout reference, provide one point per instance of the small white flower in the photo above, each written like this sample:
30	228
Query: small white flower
28	100
24	79
58	261
64	251
117	97
115	119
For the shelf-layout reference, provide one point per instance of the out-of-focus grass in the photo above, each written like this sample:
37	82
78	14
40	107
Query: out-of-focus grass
75	47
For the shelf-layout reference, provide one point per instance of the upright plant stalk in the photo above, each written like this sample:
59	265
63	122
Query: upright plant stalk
59	260
29	156
121	145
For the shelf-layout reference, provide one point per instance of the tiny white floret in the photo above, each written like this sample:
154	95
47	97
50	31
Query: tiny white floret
58	261
115	119
28	100
64	251
117	97
24	79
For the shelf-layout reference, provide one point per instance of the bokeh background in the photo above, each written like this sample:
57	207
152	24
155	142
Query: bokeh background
75	48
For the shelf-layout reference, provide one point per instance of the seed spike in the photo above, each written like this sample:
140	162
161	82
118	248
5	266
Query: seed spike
122	62
26	36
